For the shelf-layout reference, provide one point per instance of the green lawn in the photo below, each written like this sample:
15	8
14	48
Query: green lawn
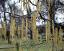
25	46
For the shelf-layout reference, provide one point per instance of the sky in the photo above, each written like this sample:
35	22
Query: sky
33	8
59	17
19	6
62	1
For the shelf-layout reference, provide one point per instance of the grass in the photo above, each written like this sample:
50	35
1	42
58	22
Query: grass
27	46
37	48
